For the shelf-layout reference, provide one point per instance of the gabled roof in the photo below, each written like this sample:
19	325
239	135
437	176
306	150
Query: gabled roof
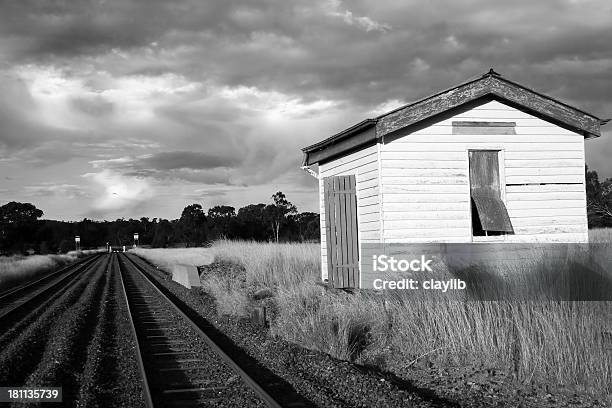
490	85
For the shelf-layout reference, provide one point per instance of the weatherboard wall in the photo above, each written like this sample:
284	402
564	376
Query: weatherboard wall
424	179
364	164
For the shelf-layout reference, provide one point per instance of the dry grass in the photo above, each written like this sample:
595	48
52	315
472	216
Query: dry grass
558	342
16	270
272	265
265	265
230	294
544	341
600	235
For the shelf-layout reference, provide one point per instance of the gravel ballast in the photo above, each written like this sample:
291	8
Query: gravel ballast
78	340
177	345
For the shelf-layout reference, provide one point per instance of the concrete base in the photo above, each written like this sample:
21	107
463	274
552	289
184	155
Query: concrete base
186	275
258	316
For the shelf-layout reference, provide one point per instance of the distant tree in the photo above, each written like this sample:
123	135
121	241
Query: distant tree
251	223
145	231
308	225
44	248
46	235
66	246
593	187
192	225
19	213
221	211
163	234
278	212
93	234
220	219
120	232
603	204
18	224
599	199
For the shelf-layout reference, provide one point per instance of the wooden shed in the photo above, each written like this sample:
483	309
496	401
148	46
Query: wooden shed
488	160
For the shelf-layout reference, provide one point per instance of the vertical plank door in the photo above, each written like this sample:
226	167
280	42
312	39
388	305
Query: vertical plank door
341	231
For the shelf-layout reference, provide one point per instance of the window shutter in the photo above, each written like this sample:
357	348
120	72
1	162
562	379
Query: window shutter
485	191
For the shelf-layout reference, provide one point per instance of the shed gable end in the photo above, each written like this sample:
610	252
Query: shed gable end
497	88
426	187
489	87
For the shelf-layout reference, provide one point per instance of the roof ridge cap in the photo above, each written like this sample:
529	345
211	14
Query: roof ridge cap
491	73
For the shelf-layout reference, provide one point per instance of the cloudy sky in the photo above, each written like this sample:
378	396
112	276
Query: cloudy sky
130	108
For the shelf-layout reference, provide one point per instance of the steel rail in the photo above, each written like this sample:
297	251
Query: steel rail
48	277
250	381
143	374
26	301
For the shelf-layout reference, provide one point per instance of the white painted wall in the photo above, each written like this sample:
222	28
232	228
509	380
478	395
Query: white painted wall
424	179
364	165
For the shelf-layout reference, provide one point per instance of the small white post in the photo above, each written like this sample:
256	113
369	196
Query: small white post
77	242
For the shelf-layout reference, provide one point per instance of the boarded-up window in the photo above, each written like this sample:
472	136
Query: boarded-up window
489	213
483	128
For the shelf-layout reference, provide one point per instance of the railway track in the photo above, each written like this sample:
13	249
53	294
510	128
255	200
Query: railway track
181	366
30	295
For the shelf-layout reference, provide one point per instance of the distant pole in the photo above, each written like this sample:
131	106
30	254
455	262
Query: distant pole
108	248
77	242
135	240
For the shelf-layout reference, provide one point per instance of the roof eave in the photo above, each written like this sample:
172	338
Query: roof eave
337	138
364	124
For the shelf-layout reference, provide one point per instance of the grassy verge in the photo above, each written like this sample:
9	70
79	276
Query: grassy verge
247	267
16	270
536	342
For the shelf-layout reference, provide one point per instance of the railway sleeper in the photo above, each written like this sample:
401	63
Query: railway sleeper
200	402
178	383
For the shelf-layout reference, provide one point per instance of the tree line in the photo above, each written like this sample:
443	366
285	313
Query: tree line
22	230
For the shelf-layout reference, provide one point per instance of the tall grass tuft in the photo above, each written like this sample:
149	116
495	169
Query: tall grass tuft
230	295
270	264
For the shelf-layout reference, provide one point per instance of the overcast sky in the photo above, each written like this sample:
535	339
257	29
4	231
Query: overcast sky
130	108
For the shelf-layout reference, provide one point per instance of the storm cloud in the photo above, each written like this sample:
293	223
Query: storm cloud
205	96
176	165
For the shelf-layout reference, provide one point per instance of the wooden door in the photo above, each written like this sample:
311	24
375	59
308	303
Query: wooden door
341	231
